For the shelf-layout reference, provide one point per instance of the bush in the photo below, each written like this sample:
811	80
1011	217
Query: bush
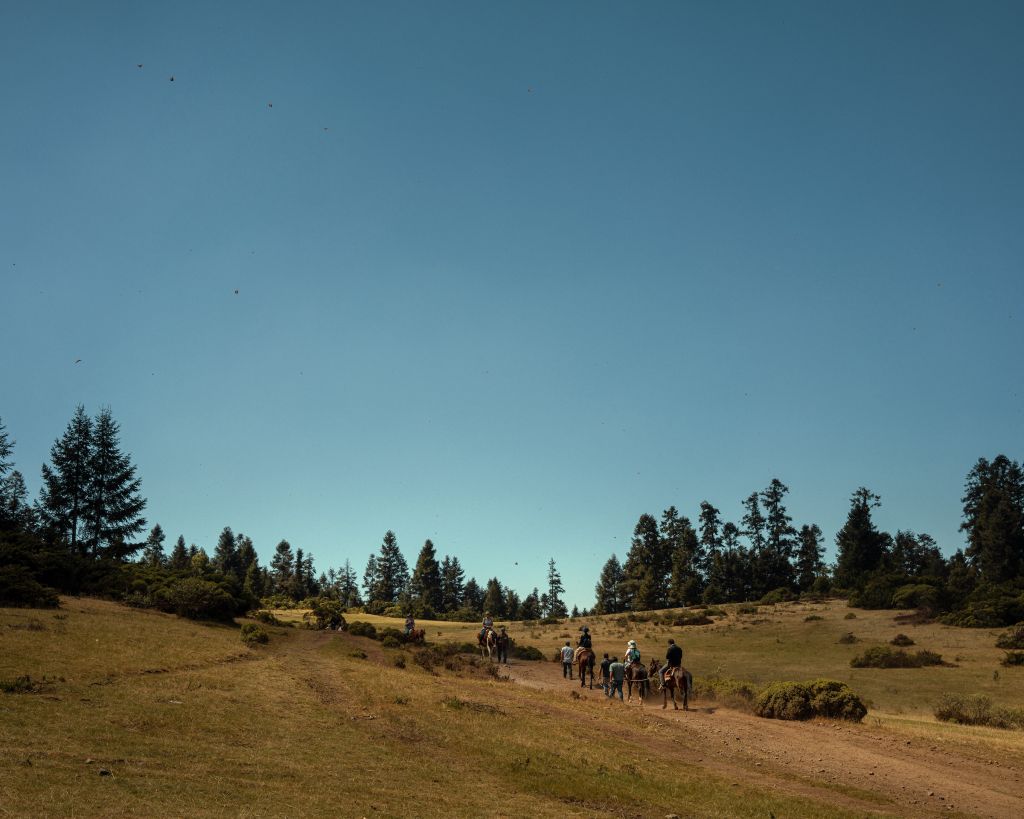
399	661
1013	658
18	588
810	618
775	596
850	616
267	617
747	608
977	710
526	653
253	633
727	690
391	641
818	698
393	633
693	620
901	640
21	685
885	657
361	629
326	613
995	611
916	596
847	639
714	612
1014	638
196	599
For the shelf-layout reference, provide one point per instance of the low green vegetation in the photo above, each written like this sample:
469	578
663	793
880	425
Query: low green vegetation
885	657
254	634
817	698
1014	638
977	710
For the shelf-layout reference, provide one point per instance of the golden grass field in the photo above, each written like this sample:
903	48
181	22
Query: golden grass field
190	722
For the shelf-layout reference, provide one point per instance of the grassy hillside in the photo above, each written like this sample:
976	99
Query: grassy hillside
188	721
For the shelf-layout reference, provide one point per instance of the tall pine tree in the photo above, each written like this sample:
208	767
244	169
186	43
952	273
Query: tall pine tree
425	585
66	492
114	506
994	519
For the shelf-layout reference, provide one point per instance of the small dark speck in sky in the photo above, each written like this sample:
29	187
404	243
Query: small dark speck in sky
270	105
138	65
78	361
236	291
172	79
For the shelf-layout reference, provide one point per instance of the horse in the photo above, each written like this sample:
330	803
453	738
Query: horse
488	641
417	635
585	662
678	679
636	675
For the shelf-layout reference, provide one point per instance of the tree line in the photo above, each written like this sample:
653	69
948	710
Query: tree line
81	536
673	563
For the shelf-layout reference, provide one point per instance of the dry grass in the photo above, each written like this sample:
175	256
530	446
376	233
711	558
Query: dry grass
190	722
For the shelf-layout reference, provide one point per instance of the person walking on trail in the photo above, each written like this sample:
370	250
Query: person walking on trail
617	672
605	674
567	660
503	641
673	659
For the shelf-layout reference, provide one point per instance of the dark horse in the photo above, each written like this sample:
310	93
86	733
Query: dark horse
636	675
677	679
416	635
585	662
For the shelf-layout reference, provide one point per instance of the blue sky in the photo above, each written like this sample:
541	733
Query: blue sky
510	275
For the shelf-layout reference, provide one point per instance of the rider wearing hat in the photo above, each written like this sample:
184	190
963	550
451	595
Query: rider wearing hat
632	653
584	642
488	624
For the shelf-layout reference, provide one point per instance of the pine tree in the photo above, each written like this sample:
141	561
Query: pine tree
65	494
246	554
425	585
775	566
348	588
473	596
680	542
994	519
512	604
647	568
179	555
860	547
16	514
809	563
608	589
452	584
225	555
114	507
392	571
371	578
153	554
754	523
282	566
554	606
530	608
6	450
494	598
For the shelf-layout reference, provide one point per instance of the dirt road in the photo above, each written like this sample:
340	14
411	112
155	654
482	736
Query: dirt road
863	767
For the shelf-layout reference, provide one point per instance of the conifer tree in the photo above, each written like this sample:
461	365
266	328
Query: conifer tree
608	589
494	598
65	495
512	603
371	578
994	519
6	450
392	571
179	555
225	554
530	608
348	587
809	563
473	596
114	506
425	585
680	542
647	568
16	514
554	606
282	566
775	565
452	584
860	547
153	554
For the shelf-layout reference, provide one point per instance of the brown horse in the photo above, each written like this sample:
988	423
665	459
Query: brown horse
417	635
636	675
585	662
488	641
676	679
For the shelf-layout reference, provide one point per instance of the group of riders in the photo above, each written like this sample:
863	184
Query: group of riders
613	671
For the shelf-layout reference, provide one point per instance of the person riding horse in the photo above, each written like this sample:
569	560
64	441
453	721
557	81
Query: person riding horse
488	625
632	656
673	659
583	642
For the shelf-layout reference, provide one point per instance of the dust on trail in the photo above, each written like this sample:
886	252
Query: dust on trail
855	767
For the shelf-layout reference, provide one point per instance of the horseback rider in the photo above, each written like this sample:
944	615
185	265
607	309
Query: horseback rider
488	624
410	625
673	659
632	654
583	642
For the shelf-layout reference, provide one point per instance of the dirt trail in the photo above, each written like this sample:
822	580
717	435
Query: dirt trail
850	766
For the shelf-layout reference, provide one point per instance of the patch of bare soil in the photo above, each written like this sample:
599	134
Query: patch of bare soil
851	766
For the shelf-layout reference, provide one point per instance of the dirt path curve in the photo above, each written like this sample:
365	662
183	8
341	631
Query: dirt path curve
850	766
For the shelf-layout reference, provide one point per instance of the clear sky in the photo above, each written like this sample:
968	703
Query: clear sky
508	275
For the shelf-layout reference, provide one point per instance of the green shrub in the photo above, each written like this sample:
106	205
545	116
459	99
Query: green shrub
818	698
550	621
747	608
391	641
393	633
1013	658
850	616
399	661
885	657
1014	638
326	613
693	620
267	617
359	655
994	611
21	685
19	588
779	595
847	639
196	599
527	653
715	612
727	690
361	629
916	596
977	710
810	618
901	640
253	633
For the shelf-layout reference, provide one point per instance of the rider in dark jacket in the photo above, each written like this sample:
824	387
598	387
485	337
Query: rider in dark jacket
585	641
673	659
